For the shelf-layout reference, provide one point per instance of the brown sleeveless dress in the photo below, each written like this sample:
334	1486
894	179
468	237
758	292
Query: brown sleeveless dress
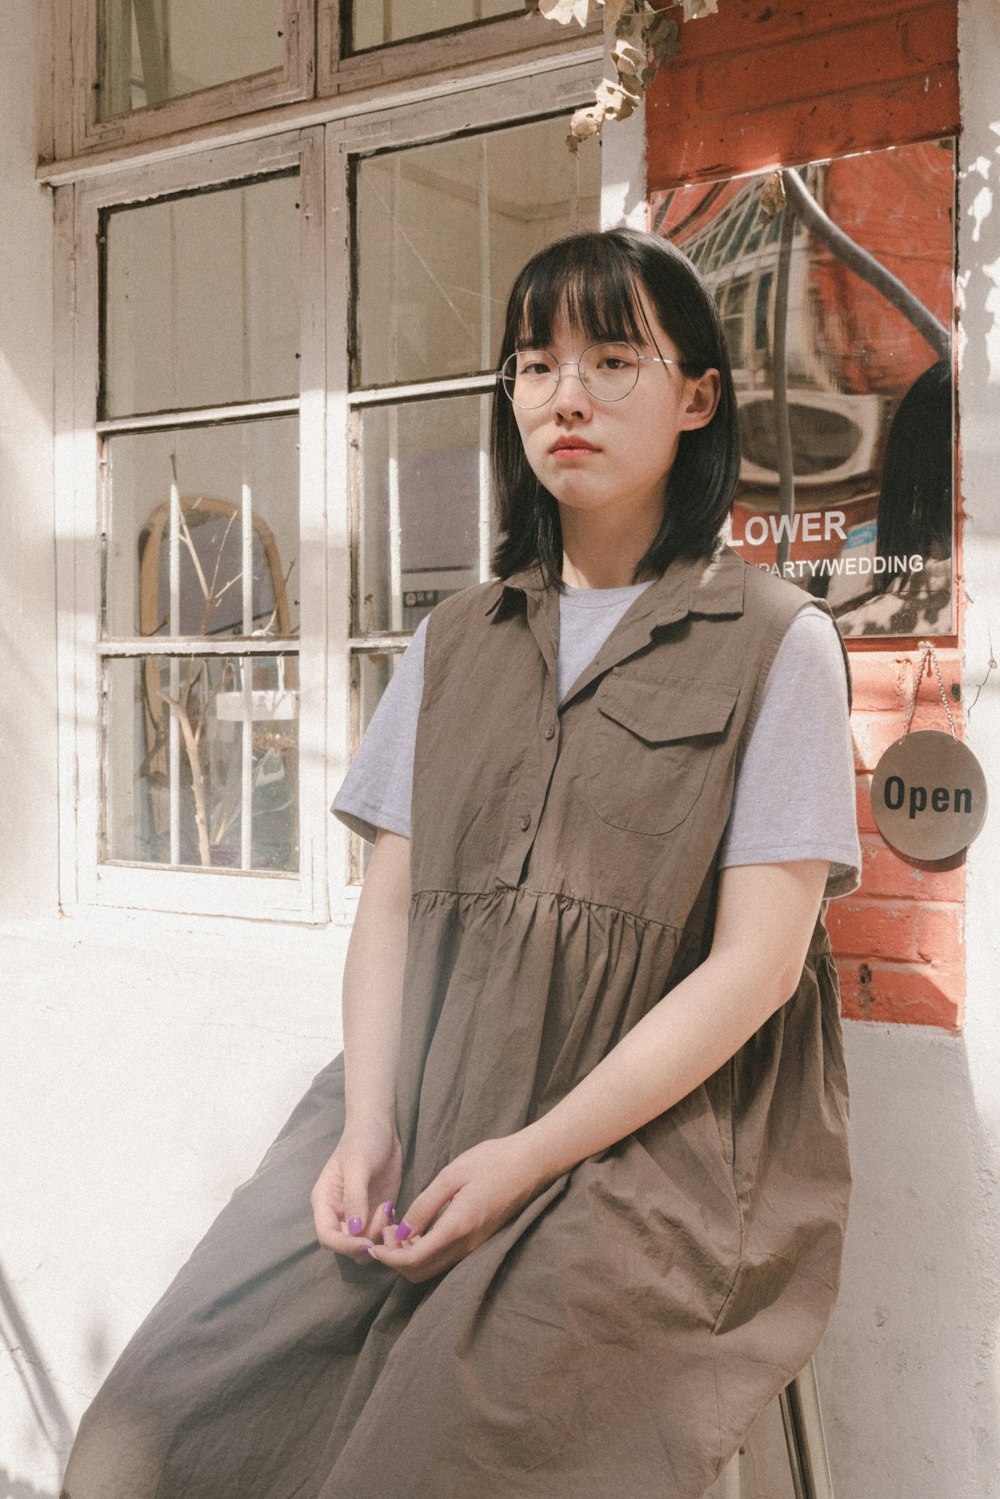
618	1337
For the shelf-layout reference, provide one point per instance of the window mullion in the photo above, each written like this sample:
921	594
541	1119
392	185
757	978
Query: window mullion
173	721
114	649
485	355
198	416
383	395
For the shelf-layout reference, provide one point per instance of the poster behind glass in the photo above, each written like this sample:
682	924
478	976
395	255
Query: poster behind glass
846	481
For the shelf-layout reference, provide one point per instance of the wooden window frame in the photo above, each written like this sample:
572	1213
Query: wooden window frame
77	63
314	70
457	51
86	879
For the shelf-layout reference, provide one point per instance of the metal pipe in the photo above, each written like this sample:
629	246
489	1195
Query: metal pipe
779	377
804	1435
865	265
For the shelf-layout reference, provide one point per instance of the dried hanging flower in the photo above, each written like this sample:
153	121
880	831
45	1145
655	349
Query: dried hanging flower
643	40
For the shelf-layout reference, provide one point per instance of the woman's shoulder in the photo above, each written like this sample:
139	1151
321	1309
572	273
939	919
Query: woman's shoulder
461	609
766	591
461	619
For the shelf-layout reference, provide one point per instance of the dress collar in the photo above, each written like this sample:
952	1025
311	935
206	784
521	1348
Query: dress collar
689	586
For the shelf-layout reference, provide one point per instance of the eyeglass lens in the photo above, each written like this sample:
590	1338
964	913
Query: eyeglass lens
608	371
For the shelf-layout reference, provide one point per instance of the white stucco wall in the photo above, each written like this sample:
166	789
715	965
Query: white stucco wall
146	1063
27	551
909	1368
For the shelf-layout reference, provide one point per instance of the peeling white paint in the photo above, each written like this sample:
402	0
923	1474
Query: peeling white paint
991	305
982	207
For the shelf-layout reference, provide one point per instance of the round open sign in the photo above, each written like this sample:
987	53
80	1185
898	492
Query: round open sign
929	795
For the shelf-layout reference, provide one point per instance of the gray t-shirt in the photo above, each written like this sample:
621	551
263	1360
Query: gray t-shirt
794	796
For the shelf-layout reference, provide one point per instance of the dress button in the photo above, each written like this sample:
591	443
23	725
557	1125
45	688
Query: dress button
525	823
550	732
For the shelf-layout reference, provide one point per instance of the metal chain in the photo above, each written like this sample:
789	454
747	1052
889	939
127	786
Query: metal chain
928	655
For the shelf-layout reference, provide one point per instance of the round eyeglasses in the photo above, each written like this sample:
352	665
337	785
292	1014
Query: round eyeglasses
608	371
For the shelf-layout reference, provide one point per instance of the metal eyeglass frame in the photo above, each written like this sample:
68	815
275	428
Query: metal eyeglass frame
561	363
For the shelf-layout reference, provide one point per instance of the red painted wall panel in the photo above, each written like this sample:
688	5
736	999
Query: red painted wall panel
763	84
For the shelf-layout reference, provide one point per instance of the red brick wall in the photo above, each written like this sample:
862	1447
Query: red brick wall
769	83
899	939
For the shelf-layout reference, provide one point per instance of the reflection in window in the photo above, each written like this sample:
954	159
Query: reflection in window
376	23
863	280
155	50
822	439
202	762
203	530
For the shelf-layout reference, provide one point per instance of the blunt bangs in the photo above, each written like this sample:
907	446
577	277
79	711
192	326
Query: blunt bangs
595	281
593	292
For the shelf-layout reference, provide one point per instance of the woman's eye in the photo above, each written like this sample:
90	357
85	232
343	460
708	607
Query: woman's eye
534	367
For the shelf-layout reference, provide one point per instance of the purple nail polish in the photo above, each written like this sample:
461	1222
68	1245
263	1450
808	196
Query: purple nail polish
354	1225
403	1231
388	1210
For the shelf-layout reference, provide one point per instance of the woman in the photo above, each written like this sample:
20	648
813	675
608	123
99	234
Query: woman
593	1057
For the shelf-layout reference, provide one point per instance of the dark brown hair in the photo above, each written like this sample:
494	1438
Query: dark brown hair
596	279
915	505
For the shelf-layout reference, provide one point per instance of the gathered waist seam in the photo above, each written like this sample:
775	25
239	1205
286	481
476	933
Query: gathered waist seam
571	900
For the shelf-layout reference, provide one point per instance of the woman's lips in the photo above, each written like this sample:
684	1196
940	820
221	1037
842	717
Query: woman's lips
572	447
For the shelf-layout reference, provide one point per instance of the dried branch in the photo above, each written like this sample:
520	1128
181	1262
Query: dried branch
641	40
192	726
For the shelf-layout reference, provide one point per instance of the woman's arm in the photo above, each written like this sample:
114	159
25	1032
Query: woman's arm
765	919
363	1173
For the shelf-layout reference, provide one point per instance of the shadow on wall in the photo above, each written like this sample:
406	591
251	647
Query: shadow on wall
20	1488
904	1367
47	1411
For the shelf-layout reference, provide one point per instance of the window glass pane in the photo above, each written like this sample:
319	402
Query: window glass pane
155	50
201	299
201	761
222	502
421	508
442	231
376	22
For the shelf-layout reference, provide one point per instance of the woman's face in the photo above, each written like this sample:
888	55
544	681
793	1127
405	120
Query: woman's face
590	454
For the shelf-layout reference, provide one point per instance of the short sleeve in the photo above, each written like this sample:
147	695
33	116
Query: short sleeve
795	791
378	788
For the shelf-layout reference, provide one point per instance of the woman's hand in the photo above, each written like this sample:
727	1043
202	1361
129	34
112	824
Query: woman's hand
354	1196
477	1193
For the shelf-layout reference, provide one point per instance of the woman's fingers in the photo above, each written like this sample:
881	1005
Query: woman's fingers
346	1220
328	1202
425	1207
359	1210
433	1235
420	1257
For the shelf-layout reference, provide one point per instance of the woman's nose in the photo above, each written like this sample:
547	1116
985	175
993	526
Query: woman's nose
572	397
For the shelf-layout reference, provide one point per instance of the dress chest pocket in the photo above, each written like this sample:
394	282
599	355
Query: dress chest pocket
653	744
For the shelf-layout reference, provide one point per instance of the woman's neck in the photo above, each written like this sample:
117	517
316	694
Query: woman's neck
598	551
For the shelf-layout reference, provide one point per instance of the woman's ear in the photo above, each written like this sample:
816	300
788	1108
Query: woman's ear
701	401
